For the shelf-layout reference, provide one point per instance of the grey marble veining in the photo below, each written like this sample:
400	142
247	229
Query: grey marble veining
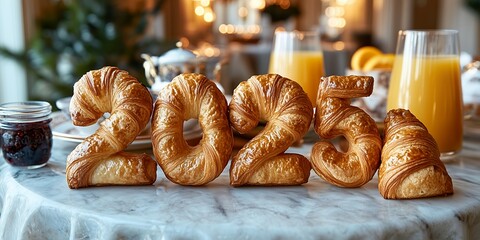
37	204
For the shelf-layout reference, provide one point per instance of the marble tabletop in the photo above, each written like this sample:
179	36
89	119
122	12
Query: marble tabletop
37	204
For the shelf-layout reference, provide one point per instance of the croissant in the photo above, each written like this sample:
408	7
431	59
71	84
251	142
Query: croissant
283	103
99	159
334	117
411	165
191	96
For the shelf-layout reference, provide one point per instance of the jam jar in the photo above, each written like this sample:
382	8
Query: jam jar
25	133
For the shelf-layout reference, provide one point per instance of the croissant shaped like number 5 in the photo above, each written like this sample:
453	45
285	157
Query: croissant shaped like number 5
411	165
335	116
191	96
286	107
99	159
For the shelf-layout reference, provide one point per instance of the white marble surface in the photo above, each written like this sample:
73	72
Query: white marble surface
37	204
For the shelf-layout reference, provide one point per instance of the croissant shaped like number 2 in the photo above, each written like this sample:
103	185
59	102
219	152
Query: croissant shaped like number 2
335	116
288	112
99	159
191	96
411	165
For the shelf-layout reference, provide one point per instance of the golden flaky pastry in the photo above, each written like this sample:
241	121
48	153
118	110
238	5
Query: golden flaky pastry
288	112
411	165
191	96
334	117
99	159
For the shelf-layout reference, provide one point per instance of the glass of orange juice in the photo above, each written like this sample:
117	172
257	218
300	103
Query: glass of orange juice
298	56
426	80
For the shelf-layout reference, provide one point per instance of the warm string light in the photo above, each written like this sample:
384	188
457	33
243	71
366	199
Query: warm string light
209	16
199	10
335	16
205	3
239	29
285	4
242	12
207	50
338	45
244	27
257	4
203	8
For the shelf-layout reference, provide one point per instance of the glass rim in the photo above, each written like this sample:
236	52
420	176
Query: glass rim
27	105
25	111
429	31
296	33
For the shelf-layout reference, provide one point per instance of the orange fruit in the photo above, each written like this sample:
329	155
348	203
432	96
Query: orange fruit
362	55
382	61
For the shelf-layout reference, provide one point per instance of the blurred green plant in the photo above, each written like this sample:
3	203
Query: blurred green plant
81	35
279	13
474	5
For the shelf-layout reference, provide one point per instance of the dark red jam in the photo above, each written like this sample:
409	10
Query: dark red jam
25	134
26	144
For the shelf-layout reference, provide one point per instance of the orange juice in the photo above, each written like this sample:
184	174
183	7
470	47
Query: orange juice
430	88
304	67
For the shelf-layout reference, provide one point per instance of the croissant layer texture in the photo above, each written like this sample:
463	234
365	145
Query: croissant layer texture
191	96
285	107
411	165
336	117
99	159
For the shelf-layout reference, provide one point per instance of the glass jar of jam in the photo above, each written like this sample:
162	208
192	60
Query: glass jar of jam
25	133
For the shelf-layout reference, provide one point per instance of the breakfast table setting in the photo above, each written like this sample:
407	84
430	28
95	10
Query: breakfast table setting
291	154
38	204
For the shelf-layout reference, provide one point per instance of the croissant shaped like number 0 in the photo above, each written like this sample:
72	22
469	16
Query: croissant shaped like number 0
288	112
99	159
191	96
411	165
334	117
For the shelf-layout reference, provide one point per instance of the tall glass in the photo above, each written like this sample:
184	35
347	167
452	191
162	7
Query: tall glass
426	80
299	57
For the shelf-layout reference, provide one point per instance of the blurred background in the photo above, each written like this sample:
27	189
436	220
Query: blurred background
45	46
